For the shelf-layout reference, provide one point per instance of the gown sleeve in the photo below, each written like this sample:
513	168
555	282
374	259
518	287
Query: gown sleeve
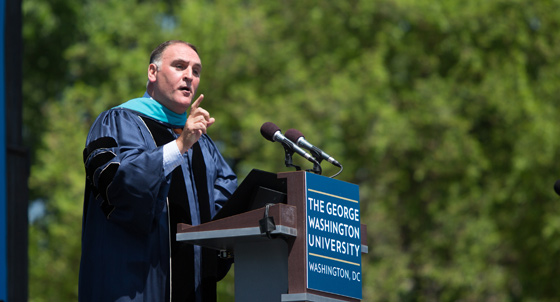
125	170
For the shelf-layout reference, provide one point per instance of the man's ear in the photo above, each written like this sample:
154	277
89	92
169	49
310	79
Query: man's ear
152	72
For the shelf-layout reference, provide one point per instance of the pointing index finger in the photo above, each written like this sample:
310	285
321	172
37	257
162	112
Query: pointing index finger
196	103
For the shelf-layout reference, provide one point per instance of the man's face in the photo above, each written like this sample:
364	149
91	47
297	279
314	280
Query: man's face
176	80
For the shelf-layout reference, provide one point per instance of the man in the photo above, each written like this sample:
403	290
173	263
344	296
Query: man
149	167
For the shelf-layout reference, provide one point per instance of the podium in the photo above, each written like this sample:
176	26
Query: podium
280	249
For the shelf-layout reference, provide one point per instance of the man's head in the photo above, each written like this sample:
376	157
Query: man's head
174	74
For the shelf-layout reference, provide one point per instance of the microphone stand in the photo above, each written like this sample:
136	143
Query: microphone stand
288	158
288	161
317	169
317	155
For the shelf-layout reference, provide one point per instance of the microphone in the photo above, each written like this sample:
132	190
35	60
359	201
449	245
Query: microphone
272	133
296	136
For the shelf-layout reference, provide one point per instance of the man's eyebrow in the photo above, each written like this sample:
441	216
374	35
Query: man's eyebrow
185	62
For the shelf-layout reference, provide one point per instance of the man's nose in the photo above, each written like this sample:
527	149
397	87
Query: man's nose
188	74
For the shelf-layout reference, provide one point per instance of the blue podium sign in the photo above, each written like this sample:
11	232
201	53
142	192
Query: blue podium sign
334	262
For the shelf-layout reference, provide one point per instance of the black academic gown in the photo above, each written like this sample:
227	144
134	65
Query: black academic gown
129	251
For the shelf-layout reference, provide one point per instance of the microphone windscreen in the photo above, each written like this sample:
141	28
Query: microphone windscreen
293	135
557	187
268	129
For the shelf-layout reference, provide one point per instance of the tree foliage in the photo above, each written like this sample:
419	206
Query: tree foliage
443	112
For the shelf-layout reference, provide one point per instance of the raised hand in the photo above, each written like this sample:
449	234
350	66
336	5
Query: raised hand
197	124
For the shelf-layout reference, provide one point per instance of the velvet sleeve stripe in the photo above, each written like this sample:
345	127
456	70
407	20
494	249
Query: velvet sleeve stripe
97	161
199	171
107	208
105	179
100	143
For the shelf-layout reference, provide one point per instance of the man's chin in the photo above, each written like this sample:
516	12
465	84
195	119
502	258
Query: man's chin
183	103
183	98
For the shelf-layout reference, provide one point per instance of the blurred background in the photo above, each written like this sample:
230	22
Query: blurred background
445	113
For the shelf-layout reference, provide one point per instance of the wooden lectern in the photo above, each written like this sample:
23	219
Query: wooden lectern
269	265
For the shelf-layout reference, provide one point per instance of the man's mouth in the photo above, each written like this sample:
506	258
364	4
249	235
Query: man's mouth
185	88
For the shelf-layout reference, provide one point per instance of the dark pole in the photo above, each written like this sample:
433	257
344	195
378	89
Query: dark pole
17	160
